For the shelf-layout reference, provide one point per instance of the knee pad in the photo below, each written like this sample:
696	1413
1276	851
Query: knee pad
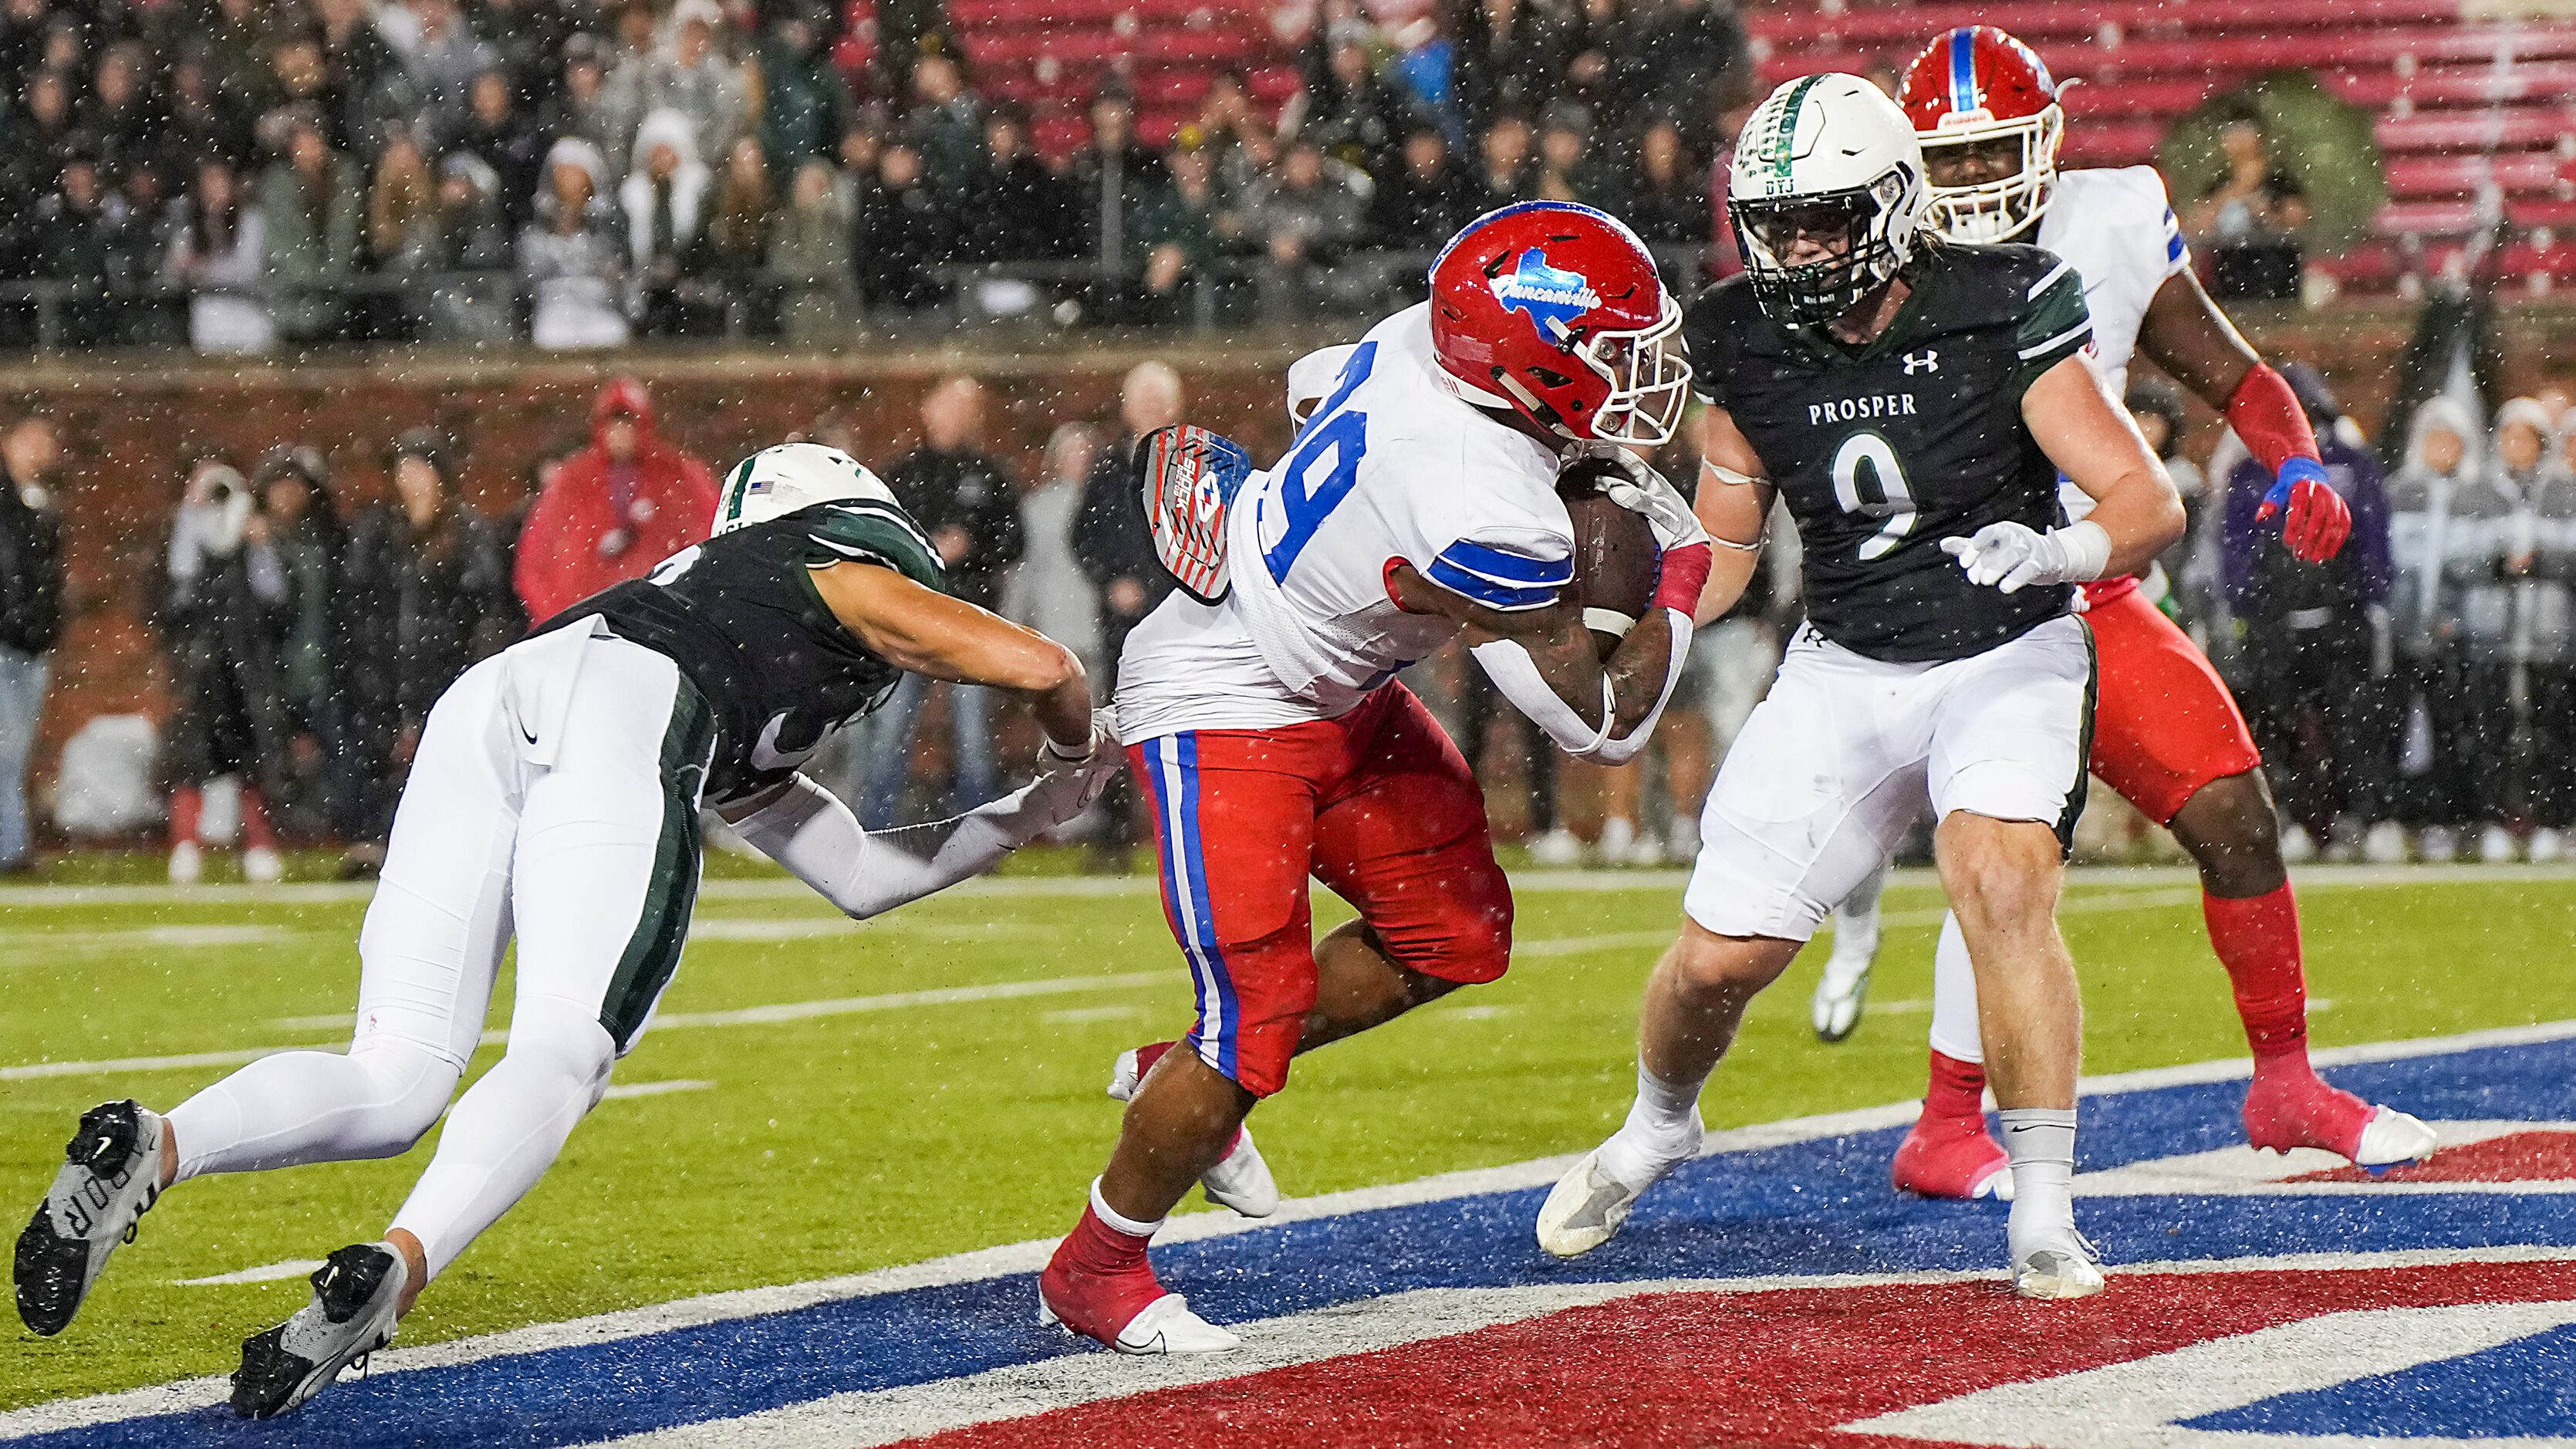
564	1037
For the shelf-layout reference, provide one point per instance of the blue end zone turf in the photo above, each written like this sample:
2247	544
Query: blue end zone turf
1814	1207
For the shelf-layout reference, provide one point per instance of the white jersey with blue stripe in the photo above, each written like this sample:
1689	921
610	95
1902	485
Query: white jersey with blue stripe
1392	467
2117	229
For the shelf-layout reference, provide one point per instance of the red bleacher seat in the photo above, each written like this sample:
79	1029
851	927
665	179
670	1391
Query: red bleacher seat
2035	20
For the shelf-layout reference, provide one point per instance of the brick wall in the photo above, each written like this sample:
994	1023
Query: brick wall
127	433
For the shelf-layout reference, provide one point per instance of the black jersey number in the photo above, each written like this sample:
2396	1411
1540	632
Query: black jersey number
1870	482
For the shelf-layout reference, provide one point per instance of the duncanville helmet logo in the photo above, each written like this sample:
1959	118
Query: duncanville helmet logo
1551	296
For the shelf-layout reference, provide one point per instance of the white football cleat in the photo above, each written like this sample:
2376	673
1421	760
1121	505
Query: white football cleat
1241	1179
187	863
351	1315
110	1178
1844	988
262	865
2394	1137
2437	845
2384	844
1590	1204
2298	847
2060	1265
1557	849
2546	846
1165	1325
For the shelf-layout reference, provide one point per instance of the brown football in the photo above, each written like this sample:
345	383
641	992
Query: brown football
1614	556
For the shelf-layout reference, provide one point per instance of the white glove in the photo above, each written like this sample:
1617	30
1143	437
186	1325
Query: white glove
1637	487
1071	778
2013	556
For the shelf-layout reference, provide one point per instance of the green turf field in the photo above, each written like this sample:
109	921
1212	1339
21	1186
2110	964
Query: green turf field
824	1144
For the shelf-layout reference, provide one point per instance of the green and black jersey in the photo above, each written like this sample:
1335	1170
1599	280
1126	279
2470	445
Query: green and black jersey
1885	450
740	615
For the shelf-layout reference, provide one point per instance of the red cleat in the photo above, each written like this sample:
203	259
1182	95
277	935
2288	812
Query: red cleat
2289	1106
1952	1157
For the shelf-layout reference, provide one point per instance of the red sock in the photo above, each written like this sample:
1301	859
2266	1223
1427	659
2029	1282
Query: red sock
187	805
1099	1280
2257	940
256	834
1958	1090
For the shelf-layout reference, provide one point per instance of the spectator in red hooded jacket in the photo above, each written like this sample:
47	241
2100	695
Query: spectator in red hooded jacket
613	510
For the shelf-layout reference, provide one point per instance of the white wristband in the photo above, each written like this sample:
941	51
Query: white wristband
2088	550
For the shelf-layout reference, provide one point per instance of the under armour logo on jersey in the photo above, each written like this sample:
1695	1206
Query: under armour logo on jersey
1551	296
1928	360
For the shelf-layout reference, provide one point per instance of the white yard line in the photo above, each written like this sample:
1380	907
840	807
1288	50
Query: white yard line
264	1273
666	1021
2308	877
1028	1257
626	1091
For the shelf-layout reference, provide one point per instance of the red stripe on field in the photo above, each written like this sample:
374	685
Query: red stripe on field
1779	1367
2514	1157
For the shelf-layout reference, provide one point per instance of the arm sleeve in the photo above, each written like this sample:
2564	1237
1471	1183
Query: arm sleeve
1514	673
2266	414
811	833
2054	325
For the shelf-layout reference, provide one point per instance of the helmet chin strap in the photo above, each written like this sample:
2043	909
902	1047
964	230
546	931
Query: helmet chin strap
1536	406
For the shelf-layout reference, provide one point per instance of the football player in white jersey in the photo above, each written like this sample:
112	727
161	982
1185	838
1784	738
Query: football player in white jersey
2167	734
1262	715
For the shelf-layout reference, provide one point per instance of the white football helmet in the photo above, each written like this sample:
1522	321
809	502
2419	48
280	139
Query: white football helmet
1825	159
777	481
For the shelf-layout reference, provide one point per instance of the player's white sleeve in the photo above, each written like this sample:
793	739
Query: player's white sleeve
810	832
1514	673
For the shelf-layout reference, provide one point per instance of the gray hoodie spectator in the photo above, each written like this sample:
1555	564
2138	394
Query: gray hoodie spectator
2450	708
573	258
689	73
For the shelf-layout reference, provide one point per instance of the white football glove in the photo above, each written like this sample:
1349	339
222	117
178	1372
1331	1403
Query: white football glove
1637	487
2013	556
1071	779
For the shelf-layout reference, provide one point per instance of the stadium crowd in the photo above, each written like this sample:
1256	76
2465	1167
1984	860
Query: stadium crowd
2416	697
243	174
237	175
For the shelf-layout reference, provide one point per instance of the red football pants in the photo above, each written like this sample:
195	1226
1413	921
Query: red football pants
2164	724
1377	804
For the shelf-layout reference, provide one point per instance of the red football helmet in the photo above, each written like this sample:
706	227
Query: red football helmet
1555	311
1971	86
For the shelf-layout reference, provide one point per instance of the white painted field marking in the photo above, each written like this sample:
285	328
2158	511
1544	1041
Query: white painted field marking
265	1273
24	945
1094	1013
2241	1171
666	1021
1029	1256
2307	877
2140	1404
885	1416
625	1091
